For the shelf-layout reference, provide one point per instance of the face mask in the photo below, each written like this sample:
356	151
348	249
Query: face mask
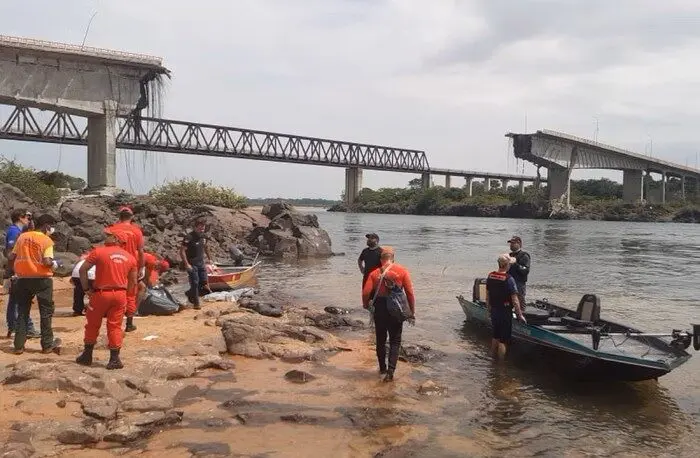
51	230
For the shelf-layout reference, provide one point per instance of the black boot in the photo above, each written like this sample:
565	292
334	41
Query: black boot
130	324
114	361
85	358
389	377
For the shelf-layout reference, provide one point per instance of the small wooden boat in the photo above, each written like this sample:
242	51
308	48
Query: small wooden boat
224	278
586	347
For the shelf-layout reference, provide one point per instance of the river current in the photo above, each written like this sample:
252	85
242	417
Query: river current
645	273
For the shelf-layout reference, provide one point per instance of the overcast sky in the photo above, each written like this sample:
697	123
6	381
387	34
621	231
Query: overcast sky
446	76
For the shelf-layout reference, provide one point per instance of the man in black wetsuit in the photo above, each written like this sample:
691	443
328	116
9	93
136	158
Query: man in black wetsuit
519	266
370	258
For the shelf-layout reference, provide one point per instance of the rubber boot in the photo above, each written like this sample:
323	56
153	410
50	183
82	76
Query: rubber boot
389	377
114	361
85	358
130	324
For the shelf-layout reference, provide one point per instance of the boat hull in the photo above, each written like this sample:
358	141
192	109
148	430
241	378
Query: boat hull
233	278
571	358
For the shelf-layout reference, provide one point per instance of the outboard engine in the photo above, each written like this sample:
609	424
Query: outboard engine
696	337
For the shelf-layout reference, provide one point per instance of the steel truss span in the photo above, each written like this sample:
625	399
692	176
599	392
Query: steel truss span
152	134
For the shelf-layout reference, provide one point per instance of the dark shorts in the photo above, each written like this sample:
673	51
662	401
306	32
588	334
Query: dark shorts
502	322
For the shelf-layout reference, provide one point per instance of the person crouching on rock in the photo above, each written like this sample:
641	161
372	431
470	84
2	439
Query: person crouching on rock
115	274
194	247
375	293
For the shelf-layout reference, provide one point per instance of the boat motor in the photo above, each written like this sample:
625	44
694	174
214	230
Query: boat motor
696	337
680	339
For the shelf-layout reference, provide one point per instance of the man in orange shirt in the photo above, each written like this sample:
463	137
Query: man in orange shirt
32	262
134	246
115	274
154	268
375	296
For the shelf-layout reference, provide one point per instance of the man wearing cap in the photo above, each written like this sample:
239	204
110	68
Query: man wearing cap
154	267
33	264
519	266
501	298
115	274
20	223
375	293
369	259
134	246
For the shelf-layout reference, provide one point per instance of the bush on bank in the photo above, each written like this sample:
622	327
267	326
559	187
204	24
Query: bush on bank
191	193
29	182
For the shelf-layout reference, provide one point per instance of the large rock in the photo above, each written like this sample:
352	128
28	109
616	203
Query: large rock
78	245
291	235
256	336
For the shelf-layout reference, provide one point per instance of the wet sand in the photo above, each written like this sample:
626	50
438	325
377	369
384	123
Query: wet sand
252	410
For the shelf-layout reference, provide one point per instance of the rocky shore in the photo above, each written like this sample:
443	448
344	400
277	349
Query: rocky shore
259	376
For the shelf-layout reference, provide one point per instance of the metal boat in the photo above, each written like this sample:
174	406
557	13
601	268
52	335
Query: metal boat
584	345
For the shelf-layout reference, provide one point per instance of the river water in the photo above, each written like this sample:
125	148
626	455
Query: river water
645	273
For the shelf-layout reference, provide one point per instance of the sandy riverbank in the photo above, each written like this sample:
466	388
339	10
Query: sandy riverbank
217	410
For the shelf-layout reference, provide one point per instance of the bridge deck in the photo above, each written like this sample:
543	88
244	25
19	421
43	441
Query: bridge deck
551	148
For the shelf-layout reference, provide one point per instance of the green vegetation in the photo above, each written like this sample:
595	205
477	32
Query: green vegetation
304	202
591	199
29	181
191	193
61	180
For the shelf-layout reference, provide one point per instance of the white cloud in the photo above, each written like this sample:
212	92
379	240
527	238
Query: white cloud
447	76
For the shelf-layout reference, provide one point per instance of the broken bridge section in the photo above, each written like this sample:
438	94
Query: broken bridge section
562	153
98	84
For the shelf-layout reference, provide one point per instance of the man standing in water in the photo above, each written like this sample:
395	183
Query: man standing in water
375	293
501	298
519	266
369	259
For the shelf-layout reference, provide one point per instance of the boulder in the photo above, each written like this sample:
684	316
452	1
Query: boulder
80	433
78	245
101	409
325	320
296	376
147	404
266	309
61	236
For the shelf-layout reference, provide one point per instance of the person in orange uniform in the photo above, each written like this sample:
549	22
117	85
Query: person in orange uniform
33	264
154	268
375	293
115	274
134	245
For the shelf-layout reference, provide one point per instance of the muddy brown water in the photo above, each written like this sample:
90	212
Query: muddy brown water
645	273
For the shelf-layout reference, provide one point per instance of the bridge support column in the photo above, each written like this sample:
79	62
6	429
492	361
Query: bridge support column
504	184
468	187
663	187
448	181
425	180
521	186
558	180
632	185
353	184
487	184
102	148
683	187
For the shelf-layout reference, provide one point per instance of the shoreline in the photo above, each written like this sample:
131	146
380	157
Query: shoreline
206	401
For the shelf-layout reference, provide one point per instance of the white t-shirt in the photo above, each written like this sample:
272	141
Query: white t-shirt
91	272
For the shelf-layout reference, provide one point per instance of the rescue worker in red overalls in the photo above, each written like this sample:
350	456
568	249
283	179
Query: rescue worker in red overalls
134	245
115	274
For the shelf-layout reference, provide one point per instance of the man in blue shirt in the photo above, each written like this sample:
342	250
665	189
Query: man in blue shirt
21	220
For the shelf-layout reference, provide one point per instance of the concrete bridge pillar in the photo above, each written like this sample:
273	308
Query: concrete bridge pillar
487	184
683	187
663	187
468	186
353	184
632	185
504	184
521	186
102	148
448	181
558	180
425	180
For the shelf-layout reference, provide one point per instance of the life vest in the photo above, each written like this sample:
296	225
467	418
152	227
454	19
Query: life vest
29	255
497	286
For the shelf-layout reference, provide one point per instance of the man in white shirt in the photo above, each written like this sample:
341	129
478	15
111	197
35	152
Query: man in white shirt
78	293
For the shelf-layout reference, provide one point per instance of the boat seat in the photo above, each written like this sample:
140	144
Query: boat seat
479	292
536	316
587	313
